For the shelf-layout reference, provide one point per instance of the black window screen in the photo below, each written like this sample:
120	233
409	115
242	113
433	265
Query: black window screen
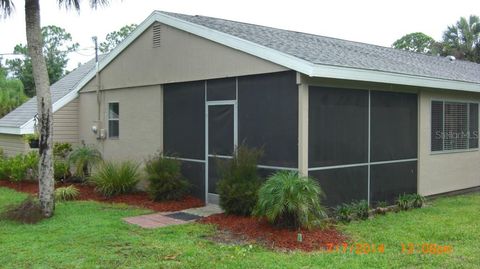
343	185
388	181
473	133
268	116
393	126
338	126
220	130
437	126
222	89
184	120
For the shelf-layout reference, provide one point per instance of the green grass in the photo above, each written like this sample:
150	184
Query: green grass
92	235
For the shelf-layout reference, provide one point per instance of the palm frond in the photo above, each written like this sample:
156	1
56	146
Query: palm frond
6	7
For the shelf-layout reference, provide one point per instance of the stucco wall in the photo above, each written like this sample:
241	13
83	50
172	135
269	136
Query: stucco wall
181	57
140	122
12	144
444	172
66	122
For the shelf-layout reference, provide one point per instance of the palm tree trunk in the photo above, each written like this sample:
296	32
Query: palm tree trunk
44	106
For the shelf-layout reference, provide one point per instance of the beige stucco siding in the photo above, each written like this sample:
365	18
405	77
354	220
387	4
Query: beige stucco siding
66	122
140	122
181	57
439	173
12	144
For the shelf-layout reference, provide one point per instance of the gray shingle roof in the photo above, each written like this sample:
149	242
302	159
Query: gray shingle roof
28	110
337	52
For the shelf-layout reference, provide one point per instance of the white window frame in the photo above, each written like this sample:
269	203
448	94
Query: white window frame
444	101
110	119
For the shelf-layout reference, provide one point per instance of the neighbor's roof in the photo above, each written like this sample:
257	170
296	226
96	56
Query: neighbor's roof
24	114
329	51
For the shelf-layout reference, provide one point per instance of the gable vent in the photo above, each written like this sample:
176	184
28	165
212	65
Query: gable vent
156	35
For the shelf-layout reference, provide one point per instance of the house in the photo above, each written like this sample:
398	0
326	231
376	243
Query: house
367	122
21	121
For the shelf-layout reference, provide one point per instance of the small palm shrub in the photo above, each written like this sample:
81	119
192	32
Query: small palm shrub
66	193
83	158
27	212
289	200
111	178
239	182
165	178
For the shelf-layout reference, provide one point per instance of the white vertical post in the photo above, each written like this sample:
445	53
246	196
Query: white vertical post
302	126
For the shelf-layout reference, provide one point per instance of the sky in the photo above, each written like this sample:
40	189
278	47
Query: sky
378	22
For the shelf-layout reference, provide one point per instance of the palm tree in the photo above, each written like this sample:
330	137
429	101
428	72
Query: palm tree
42	86
462	40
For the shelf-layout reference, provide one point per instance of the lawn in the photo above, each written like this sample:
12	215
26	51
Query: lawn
92	235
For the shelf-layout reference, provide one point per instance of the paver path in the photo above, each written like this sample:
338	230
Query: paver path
161	219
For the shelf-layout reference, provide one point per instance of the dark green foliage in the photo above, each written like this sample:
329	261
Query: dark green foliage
20	167
344	213
57	44
403	202
417	200
11	93
462	39
416	42
112	178
360	209
165	177
27	212
289	200
239	182
61	150
116	37
409	201
66	193
83	158
61	170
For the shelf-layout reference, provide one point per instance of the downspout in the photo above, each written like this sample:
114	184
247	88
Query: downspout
98	93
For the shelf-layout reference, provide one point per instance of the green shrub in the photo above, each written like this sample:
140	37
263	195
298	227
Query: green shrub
83	158
289	200
404	202
61	150
66	193
61	170
344	212
416	200
112	178
27	212
2	154
239	182
30	137
409	201
165	177
360	209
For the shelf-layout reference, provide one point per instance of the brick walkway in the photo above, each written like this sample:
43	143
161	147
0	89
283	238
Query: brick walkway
152	221
158	220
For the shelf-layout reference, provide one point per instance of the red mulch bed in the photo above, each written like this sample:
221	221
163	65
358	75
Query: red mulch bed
259	230
87	192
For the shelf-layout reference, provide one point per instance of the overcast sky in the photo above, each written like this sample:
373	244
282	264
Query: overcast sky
378	22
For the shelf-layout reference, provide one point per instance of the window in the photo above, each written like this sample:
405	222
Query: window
113	120
454	126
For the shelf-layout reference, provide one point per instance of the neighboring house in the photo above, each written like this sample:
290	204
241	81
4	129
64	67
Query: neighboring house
21	121
367	122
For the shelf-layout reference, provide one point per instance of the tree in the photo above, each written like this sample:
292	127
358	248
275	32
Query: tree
462	39
416	42
42	88
116	37
11	93
57	43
